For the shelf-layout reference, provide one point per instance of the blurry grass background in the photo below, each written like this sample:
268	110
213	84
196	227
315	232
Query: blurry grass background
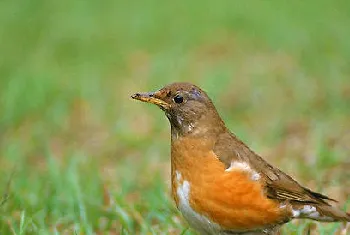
86	159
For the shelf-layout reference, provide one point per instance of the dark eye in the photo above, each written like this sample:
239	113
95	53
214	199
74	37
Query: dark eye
178	99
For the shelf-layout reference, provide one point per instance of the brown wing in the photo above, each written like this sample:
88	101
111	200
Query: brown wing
279	186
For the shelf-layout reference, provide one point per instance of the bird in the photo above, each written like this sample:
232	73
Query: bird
218	183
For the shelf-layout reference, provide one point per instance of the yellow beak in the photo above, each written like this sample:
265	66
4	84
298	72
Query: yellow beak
150	98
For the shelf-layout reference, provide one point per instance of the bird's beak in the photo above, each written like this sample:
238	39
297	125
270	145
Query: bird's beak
151	97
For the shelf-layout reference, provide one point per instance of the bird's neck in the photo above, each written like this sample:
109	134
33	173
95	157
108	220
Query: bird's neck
207	126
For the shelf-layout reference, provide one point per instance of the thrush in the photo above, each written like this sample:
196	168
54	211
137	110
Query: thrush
219	184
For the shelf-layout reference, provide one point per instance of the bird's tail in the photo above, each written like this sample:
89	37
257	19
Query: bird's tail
333	213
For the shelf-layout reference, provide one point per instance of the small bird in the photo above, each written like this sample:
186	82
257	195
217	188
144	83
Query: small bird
218	183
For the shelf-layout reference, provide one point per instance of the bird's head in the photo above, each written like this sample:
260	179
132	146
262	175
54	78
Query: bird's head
188	108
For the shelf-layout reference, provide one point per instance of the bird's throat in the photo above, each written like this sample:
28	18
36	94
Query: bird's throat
180	127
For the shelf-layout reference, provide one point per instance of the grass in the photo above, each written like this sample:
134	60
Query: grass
78	156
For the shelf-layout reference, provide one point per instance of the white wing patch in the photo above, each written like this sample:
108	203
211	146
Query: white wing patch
243	166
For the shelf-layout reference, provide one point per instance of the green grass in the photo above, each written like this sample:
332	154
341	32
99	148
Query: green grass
82	157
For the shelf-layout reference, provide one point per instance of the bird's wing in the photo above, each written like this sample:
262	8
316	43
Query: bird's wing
281	186
278	185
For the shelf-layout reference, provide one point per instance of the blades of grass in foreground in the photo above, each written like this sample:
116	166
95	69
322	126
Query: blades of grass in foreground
22	223
184	231
6	193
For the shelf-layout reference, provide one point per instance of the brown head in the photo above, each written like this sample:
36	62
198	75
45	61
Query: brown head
188	108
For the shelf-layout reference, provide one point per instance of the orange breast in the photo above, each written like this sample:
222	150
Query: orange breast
229	198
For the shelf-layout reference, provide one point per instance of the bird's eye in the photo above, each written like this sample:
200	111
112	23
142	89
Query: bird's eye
178	99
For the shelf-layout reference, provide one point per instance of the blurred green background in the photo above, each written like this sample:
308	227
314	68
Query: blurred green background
79	156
